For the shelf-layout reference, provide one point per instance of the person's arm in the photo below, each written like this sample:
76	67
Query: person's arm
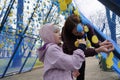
91	33
87	51
103	48
60	60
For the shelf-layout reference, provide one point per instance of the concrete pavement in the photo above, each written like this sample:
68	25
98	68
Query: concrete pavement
93	72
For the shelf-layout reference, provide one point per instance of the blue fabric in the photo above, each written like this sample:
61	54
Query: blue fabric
79	28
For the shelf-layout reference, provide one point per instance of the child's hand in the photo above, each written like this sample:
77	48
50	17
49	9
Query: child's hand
75	73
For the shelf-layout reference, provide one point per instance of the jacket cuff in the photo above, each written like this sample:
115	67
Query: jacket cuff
82	47
90	52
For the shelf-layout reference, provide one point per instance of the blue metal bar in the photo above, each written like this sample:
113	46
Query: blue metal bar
27	57
53	12
34	63
48	12
24	35
19	41
112	6
6	14
31	18
37	56
18	34
19	19
2	10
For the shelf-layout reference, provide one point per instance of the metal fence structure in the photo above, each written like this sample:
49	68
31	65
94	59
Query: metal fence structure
20	21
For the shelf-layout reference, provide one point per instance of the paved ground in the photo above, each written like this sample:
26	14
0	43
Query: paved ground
93	72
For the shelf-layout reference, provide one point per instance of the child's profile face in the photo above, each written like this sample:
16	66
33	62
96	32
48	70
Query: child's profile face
57	35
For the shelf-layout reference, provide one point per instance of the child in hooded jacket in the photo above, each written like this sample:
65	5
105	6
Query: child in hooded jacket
57	64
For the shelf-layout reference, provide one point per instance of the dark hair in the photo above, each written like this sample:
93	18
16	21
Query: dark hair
67	35
70	23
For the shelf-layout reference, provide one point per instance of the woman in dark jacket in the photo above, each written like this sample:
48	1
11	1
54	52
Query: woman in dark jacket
70	34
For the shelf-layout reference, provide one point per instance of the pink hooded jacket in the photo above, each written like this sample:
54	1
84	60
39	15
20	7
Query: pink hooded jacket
57	65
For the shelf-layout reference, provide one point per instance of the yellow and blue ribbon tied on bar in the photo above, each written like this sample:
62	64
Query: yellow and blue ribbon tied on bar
68	1
1	45
63	6
119	64
109	61
76	12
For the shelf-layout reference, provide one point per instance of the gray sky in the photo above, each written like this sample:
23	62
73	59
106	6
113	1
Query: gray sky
88	7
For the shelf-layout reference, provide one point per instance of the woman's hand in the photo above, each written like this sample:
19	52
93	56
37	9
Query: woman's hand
105	47
106	42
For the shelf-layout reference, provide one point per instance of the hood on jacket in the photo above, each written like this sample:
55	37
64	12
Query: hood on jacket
47	31
46	34
42	51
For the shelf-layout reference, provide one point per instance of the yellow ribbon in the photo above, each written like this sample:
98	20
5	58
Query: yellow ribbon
109	61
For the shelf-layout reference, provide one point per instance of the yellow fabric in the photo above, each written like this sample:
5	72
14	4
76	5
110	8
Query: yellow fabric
109	60
77	43
1	45
99	55
63	6
88	43
10	15
60	0
76	12
86	29
0	8
68	1
119	64
94	39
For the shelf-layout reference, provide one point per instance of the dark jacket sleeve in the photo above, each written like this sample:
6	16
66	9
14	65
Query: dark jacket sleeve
89	52
82	47
90	33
